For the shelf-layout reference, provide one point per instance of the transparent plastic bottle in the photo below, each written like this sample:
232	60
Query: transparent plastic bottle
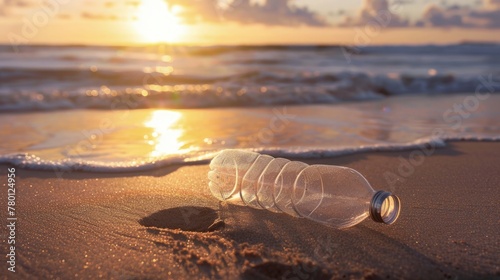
336	196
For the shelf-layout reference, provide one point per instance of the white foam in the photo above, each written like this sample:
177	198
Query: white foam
29	161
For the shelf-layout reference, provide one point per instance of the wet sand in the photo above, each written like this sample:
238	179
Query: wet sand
159	224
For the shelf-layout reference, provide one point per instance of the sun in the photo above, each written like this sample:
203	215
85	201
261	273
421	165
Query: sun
158	23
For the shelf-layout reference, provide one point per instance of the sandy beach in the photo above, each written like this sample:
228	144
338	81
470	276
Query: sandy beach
156	225
112	113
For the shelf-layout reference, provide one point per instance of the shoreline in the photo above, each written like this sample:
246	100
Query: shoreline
123	225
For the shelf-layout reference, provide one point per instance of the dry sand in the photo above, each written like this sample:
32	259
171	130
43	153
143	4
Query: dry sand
123	225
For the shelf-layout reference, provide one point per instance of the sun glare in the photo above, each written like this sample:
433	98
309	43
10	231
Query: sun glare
165	137
158	22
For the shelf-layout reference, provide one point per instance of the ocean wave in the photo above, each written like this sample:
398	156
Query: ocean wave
132	90
33	162
99	77
192	50
437	50
466	48
87	77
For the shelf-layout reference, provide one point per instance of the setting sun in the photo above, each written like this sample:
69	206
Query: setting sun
158	22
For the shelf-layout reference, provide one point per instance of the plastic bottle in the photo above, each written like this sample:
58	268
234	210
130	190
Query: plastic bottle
336	196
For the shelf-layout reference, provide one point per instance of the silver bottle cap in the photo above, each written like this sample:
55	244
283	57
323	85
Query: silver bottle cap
385	207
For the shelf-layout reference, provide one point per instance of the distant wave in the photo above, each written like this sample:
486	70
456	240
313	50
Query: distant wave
73	77
254	88
33	162
101	77
466	48
447	50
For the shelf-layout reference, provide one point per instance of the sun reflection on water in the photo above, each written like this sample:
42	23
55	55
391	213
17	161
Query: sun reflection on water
165	136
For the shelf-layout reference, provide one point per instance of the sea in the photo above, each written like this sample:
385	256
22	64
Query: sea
122	109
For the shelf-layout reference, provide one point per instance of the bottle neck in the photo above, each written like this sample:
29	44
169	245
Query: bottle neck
385	207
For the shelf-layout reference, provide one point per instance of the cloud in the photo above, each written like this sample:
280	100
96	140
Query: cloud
376	12
384	13
435	16
379	12
271	12
88	15
27	8
277	12
108	10
487	16
7	7
492	4
17	3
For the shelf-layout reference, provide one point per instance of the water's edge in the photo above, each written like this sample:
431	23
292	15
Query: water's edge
32	162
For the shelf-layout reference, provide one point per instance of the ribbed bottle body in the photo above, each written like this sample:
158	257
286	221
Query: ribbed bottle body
332	195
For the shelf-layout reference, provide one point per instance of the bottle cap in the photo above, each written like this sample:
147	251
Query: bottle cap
385	207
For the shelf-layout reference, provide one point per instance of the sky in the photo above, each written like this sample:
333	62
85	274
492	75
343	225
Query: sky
227	22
